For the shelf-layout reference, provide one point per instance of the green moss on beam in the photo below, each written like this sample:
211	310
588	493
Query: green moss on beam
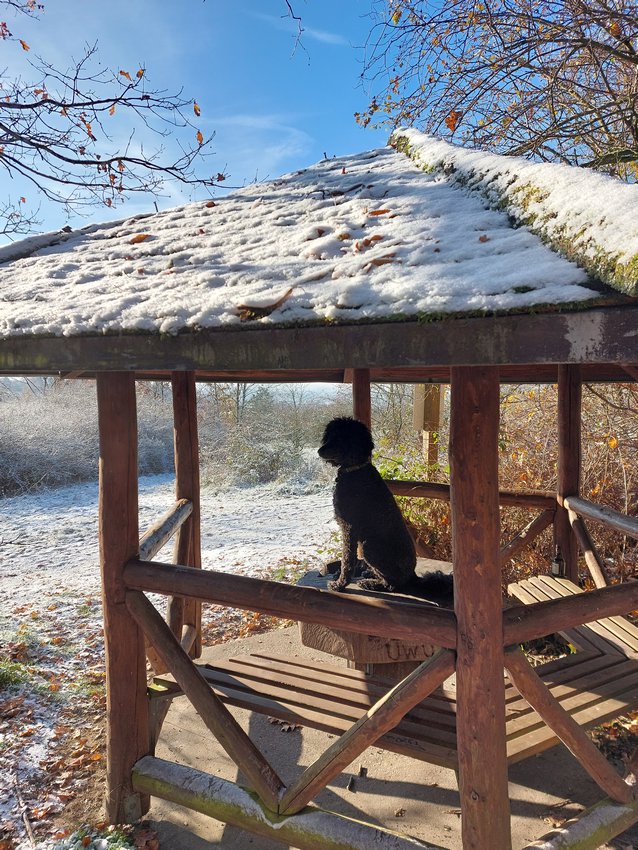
529	205
310	829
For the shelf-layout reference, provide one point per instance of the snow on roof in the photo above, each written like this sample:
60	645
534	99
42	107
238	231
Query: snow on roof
359	238
589	217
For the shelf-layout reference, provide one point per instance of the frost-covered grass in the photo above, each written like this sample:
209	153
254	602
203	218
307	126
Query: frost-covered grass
89	838
49	436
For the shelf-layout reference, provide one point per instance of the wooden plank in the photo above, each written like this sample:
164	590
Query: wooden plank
126	705
213	712
528	622
620	627
610	634
537	373
621	635
305	604
607	516
415	739
583	636
161	532
312	829
474	423
574	738
569	461
188	541
268	682
587	708
380	718
583	693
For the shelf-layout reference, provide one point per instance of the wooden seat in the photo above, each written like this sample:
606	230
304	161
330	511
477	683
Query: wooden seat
610	635
592	686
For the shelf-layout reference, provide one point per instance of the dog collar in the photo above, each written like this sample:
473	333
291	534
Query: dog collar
354	468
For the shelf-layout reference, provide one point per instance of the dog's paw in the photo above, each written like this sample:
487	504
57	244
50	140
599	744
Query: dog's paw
374	584
336	586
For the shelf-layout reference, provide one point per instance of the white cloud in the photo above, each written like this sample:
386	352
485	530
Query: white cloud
289	25
259	147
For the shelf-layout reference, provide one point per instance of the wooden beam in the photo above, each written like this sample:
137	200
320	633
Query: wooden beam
526	536
430	490
599	335
569	453
188	541
127	737
600	513
210	708
532	689
595	563
361	398
161	532
522	623
537	373
381	718
356	613
474	423
310	829
594	828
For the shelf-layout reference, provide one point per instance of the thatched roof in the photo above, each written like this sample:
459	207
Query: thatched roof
366	240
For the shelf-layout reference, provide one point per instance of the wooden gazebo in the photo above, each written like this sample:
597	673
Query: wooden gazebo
417	263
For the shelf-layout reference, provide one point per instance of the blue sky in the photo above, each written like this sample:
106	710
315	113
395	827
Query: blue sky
273	108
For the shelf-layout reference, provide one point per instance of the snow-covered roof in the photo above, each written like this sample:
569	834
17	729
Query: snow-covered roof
375	236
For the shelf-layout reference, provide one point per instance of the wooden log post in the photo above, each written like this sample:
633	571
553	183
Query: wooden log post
188	541
310	829
127	712
361	399
569	452
427	419
481	747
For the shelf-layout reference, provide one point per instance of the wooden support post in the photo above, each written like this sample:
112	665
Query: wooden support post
427	419
188	541
478	604
569	426
126	700
361	399
594	562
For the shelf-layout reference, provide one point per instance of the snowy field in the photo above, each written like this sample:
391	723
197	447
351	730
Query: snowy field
50	621
48	540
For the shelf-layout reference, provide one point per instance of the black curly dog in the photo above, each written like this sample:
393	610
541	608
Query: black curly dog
370	519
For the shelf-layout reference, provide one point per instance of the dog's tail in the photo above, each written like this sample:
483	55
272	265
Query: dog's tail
436	587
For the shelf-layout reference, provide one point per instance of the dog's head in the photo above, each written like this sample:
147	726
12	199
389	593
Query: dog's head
346	442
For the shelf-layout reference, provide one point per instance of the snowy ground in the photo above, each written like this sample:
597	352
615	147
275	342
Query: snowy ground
50	618
48	540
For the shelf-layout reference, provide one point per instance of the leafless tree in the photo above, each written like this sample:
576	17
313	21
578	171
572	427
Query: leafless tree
60	132
550	79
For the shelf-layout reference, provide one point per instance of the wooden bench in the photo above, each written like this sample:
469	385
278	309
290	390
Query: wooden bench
610	635
592	686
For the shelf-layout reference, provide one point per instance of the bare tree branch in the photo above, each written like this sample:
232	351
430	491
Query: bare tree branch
551	79
75	133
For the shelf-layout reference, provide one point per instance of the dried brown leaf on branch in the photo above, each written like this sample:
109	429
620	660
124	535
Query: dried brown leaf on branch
248	312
